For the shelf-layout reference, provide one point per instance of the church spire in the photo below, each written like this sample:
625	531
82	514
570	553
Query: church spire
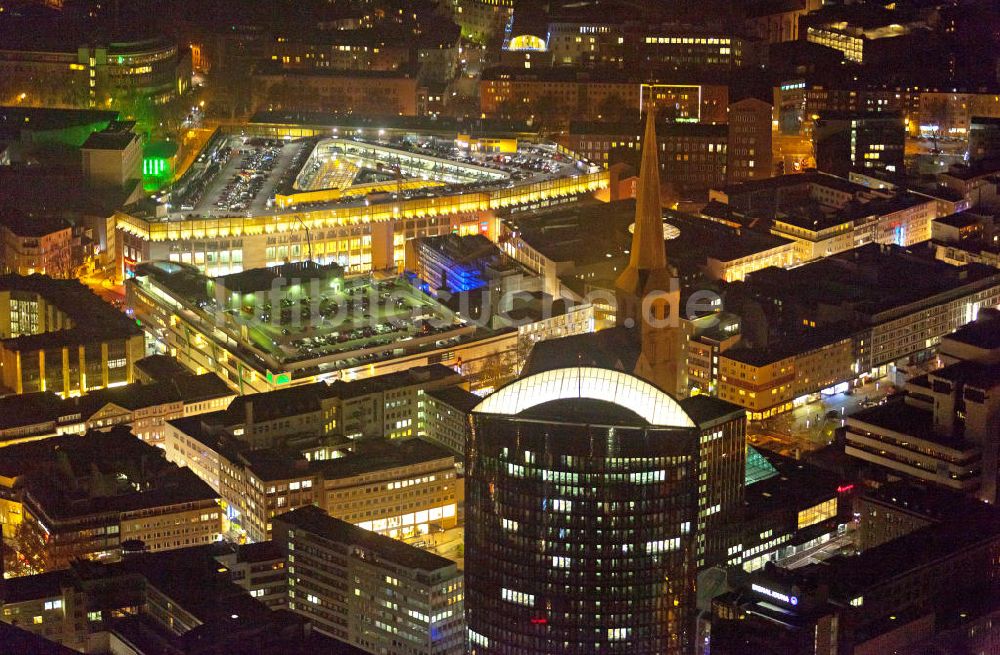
647	239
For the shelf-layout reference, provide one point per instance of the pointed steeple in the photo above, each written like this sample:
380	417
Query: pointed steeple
647	239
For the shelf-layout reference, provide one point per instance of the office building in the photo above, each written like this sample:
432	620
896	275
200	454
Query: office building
273	452
368	590
36	244
179	601
610	577
825	214
870	142
113	156
83	497
68	65
944	430
352	217
145	408
370	92
891	323
766	381
984	138
749	150
692	157
589	94
56	335
930	575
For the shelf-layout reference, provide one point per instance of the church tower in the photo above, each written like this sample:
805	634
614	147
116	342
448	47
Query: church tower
648	290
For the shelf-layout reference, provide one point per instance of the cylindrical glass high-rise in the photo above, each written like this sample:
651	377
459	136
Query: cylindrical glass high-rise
581	507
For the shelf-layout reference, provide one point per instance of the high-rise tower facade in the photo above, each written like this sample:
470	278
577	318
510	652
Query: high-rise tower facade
582	509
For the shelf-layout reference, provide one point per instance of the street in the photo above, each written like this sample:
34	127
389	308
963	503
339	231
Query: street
811	426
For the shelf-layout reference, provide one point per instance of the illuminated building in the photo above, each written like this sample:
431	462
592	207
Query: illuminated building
887	323
60	67
692	156
601	468
369	590
253	364
749	144
481	20
767	381
56	335
343	447
113	156
679	48
259	568
825	215
145	407
82	497
943	432
894	595
457	264
369	92
967	236
779	22
357	224
584	94
36	244
872	143
155	602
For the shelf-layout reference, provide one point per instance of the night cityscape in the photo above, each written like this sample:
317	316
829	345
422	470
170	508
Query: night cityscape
500	327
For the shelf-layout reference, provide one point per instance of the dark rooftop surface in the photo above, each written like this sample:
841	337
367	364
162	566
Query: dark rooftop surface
907	419
25	225
612	348
161	367
93	319
983	333
797	484
706	410
16	640
789	346
456	397
971	373
588	234
373	455
870	280
960	220
44	118
70	476
263	279
318	523
417	375
849	577
111	140
29	409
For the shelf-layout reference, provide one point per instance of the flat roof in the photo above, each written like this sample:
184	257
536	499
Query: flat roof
26	225
318	523
707	410
46	118
982	333
898	416
377	454
111	454
960	219
110	140
867	279
92	318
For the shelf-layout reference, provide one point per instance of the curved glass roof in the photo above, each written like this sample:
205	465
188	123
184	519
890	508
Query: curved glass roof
623	389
